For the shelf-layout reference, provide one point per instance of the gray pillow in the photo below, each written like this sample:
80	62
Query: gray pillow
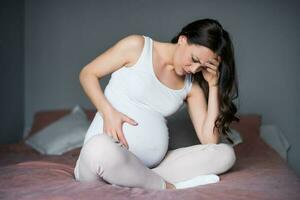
183	134
63	135
234	136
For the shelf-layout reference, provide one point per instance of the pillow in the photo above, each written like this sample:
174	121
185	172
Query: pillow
43	118
183	134
274	137
63	135
234	136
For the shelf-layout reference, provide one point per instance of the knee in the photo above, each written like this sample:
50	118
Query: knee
102	150
227	156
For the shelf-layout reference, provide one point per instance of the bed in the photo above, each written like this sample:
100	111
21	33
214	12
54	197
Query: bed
259	172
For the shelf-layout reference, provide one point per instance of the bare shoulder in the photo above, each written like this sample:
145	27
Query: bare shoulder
196	101
132	41
132	44
135	44
196	91
123	53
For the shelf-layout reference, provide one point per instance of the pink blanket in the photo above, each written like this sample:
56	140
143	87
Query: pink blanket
259	173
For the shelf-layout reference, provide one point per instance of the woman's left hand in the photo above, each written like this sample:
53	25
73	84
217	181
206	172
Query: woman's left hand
211	71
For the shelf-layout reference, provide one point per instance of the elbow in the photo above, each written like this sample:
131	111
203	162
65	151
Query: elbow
82	71
211	139
82	74
210	142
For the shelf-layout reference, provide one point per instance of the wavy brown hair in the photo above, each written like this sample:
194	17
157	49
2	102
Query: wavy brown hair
210	33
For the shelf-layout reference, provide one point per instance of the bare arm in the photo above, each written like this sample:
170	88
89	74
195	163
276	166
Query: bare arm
122	53
202	115
92	89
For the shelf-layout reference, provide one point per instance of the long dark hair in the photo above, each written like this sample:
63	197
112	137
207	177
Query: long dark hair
210	33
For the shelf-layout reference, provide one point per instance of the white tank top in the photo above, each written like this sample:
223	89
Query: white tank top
140	85
136	92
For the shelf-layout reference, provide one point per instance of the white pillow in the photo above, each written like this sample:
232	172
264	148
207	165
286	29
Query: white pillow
234	135
273	136
63	135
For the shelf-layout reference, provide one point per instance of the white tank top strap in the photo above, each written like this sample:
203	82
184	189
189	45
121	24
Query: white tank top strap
144	63
149	45
142	57
189	83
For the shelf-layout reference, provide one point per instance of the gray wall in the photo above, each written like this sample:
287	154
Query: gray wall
63	36
11	70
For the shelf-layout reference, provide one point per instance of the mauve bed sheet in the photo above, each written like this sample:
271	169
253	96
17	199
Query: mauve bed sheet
259	173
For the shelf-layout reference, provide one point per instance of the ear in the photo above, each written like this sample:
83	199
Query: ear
182	40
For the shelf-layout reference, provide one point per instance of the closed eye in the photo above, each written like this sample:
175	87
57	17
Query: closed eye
195	61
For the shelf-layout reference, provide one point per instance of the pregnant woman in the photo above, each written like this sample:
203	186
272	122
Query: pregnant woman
127	141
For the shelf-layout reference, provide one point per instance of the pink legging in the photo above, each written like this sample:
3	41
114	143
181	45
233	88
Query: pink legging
102	157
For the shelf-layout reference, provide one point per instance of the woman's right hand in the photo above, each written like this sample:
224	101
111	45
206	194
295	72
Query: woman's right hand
113	124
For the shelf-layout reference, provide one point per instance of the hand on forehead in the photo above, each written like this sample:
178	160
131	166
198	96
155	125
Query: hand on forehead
204	54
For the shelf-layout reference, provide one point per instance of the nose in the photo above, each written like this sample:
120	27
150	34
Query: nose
191	70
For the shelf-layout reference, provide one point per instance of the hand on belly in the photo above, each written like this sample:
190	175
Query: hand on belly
149	139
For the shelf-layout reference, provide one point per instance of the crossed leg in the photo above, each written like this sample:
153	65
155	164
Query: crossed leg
187	162
102	157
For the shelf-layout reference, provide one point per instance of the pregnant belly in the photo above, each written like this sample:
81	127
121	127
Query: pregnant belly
149	139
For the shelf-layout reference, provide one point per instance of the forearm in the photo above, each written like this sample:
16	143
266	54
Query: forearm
208	136
91	87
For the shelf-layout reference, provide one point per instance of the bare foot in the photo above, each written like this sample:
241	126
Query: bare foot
169	185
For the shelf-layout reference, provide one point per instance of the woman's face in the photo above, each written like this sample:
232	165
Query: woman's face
190	58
